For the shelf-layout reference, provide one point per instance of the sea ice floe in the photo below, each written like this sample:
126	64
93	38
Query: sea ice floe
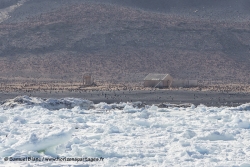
124	133
34	143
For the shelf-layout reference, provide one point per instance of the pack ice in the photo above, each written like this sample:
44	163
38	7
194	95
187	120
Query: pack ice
124	134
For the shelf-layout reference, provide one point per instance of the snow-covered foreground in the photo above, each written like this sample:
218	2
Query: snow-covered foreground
123	134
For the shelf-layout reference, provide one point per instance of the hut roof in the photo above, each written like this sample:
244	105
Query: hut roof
152	76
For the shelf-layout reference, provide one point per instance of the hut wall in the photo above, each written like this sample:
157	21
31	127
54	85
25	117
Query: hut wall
166	83
157	83
179	83
193	83
184	83
160	83
151	83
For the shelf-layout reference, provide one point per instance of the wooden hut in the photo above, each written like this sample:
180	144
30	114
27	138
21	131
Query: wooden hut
158	80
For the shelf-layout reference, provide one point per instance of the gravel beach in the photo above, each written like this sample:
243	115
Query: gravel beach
146	96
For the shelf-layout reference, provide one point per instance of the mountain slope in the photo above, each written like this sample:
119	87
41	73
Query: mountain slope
123	44
209	9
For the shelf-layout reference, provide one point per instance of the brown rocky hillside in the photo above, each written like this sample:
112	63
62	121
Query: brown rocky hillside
123	44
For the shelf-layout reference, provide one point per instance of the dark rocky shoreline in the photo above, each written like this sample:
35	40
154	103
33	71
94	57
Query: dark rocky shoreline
149	97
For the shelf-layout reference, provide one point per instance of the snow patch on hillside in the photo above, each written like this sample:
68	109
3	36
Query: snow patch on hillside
4	13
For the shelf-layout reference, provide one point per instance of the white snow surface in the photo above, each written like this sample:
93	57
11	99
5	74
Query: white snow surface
4	13
123	134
